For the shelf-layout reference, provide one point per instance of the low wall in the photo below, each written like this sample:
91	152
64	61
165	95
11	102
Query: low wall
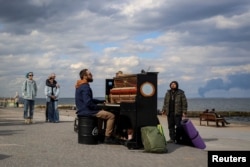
190	113
222	113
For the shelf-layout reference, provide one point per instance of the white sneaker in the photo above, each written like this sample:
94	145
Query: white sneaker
26	121
32	121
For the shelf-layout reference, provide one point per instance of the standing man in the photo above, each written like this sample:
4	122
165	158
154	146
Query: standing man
16	100
87	106
29	92
52	90
175	107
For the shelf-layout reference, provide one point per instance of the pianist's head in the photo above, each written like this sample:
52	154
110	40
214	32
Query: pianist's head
85	74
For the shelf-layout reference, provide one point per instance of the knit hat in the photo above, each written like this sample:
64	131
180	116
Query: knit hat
27	75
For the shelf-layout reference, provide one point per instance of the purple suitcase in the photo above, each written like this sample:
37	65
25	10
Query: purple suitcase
193	134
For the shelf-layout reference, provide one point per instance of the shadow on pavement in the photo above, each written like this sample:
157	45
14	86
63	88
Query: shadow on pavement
2	156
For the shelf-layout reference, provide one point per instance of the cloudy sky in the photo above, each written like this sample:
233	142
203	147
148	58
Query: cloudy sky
204	45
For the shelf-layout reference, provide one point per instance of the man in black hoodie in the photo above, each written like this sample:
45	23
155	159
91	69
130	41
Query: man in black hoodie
175	107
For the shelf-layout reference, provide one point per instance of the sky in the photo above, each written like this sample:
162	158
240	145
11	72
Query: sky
204	45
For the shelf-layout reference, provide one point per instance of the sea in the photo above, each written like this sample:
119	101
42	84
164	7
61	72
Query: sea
194	104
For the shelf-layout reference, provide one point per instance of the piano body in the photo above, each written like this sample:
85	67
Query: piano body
136	94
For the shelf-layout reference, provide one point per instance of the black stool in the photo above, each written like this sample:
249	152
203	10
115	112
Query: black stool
87	130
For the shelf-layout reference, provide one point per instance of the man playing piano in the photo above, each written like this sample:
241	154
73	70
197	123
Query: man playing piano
87	106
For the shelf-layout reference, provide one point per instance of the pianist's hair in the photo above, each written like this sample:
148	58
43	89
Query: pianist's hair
83	72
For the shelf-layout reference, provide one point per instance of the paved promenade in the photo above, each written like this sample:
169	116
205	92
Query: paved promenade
55	144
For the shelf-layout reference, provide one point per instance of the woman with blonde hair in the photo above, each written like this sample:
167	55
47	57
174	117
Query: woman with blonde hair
52	90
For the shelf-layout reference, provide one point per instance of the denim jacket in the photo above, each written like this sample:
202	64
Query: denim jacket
29	89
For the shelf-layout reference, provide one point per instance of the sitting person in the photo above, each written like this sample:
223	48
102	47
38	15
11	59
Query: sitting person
206	111
87	106
219	116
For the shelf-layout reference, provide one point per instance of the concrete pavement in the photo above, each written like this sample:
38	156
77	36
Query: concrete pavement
55	144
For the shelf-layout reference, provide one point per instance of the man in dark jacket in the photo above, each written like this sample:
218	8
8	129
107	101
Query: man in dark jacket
87	106
175	107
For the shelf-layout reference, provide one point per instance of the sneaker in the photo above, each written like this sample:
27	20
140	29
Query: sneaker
110	140
170	141
26	121
31	121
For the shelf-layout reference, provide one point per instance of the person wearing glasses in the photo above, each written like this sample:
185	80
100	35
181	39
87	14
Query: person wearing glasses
29	92
52	90
87	106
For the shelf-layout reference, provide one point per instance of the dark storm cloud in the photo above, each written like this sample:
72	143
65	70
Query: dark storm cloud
186	16
14	11
172	14
241	81
22	16
25	11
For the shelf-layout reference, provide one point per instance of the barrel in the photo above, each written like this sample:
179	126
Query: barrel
193	134
87	130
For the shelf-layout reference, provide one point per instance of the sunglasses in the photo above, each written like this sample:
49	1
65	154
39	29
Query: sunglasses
30	75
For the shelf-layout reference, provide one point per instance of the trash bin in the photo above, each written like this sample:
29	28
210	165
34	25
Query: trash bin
87	130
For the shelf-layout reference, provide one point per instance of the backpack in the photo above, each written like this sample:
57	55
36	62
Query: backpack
153	139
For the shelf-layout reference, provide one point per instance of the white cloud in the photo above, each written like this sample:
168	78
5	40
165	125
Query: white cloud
76	66
130	61
234	22
133	7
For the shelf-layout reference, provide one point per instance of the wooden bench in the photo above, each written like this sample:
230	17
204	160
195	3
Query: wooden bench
211	117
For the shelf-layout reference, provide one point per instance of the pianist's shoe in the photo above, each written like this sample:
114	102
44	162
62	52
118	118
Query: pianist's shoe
111	140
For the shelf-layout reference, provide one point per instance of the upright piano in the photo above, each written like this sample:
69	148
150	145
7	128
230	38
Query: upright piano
135	96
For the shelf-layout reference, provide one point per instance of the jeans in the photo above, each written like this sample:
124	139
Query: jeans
53	114
56	113
46	112
28	109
